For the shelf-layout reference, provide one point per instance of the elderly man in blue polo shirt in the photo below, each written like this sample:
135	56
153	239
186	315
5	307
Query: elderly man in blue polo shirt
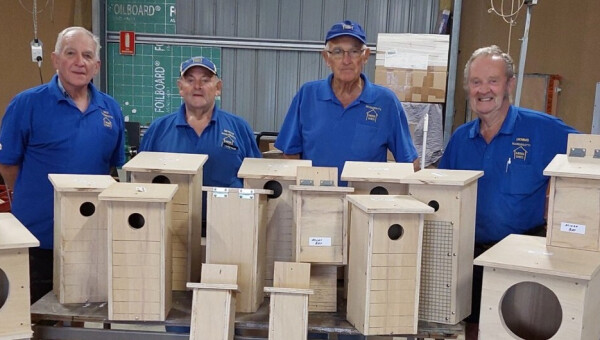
65	126
200	127
345	117
512	146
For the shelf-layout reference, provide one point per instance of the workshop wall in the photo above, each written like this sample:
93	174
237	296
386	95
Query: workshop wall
17	71
563	40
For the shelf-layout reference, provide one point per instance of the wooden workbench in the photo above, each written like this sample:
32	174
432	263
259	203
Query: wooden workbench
46	311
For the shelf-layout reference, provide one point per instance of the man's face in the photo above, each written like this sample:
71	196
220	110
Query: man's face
77	62
198	87
345	57
489	88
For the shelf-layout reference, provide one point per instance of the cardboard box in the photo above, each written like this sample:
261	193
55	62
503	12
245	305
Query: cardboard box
428	86
413	66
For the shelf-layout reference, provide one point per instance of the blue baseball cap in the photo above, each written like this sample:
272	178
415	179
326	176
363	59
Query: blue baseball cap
198	61
346	27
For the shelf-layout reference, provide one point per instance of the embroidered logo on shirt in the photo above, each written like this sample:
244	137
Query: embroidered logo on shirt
372	113
522	145
228	140
106	118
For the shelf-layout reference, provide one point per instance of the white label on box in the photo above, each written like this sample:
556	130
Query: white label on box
572	228
405	60
319	241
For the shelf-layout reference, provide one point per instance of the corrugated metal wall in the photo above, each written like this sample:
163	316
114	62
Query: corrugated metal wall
259	83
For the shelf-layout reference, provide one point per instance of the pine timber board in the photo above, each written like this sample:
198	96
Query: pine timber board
48	308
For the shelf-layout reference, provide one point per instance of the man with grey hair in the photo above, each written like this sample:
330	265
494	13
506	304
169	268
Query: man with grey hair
512	145
345	117
64	126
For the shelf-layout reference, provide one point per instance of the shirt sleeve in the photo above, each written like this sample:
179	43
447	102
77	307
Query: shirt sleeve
148	139
559	138
14	132
251	147
289	139
118	157
401	144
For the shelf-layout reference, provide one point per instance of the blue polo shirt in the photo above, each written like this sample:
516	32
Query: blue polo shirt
319	128
227	140
511	195
44	132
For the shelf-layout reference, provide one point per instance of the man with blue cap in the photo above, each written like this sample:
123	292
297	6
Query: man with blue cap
345	117
200	127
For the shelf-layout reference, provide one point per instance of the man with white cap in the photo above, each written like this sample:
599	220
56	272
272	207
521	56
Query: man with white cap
345	117
200	127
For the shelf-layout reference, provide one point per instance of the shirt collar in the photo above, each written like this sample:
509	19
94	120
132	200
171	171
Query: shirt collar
66	94
507	128
326	92
180	120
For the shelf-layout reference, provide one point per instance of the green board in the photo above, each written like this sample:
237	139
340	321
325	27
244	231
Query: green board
145	84
141	16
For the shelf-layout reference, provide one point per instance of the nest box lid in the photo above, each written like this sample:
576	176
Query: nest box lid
376	171
267	168
385	204
443	177
530	254
139	192
241	191
71	182
565	166
166	162
13	234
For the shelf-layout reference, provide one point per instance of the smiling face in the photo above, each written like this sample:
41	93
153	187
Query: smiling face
347	66
76	62
198	87
488	86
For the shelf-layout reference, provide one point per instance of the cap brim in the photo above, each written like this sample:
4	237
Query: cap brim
349	34
198	65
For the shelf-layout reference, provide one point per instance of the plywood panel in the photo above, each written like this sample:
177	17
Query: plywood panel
227	243
575	202
14	263
288	317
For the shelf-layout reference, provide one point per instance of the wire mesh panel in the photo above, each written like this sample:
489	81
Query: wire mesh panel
435	302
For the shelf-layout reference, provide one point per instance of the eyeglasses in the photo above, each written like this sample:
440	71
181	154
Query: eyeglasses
338	53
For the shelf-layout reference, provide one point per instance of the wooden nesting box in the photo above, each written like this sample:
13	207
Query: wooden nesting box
319	217
320	231
185	170
235	234
377	178
385	263
276	175
573	218
139	250
448	239
531	291
80	237
15	240
288	316
213	303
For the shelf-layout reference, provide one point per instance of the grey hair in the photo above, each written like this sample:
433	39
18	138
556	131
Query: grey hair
76	29
490	51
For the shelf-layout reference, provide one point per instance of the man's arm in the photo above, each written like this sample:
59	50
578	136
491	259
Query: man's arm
417	164
9	174
294	156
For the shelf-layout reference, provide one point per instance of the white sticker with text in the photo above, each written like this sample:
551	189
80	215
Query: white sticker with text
319	241
572	228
